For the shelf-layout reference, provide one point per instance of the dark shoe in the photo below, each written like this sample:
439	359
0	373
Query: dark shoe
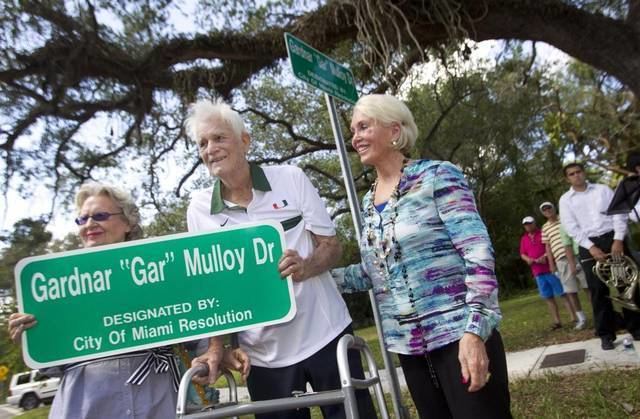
606	344
636	335
556	326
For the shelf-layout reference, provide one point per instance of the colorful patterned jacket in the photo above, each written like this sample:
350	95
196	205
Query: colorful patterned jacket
437	281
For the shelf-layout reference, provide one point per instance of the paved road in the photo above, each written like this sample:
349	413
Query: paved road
7	412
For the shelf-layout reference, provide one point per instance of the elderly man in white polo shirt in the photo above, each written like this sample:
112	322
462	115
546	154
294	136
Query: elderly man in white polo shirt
287	356
582	213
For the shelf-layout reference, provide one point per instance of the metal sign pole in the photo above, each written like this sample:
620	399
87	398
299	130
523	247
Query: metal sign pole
398	409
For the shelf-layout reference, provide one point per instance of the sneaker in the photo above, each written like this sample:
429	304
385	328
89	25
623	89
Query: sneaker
580	324
606	344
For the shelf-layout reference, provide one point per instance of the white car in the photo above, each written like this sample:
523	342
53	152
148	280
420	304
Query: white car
29	389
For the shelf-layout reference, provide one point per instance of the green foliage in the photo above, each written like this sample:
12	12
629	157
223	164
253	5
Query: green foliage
10	353
29	238
592	117
172	219
488	120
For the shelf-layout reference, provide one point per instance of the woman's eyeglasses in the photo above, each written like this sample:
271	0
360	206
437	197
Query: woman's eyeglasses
98	216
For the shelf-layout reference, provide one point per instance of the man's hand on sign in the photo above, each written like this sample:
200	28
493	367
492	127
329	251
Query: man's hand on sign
237	359
18	323
212	358
326	253
292	264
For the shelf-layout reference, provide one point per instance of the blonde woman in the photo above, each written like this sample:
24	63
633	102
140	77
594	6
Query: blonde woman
428	258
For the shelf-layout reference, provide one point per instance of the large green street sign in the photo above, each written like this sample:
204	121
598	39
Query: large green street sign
320	71
129	296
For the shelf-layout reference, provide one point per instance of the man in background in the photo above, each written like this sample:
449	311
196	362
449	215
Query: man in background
583	215
557	258
533	252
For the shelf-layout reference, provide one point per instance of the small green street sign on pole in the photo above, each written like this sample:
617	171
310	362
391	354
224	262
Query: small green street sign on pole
336	80
142	294
320	71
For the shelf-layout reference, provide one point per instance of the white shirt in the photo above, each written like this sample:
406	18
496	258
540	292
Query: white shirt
583	214
321	311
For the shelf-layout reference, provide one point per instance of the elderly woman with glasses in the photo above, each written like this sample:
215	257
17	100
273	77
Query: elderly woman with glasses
110	387
429	260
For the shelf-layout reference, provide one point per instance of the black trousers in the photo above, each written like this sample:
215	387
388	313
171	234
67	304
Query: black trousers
603	313
321	371
435	384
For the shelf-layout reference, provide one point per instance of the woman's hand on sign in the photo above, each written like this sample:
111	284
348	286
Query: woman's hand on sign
237	359
18	323
213	359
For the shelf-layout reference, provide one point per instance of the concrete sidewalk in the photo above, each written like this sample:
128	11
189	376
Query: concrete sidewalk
531	363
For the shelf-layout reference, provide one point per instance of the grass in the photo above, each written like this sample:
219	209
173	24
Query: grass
612	394
526	322
39	413
607	394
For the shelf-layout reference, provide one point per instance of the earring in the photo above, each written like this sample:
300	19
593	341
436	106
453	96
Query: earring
394	142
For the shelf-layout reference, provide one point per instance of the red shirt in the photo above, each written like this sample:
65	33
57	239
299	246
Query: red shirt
531	245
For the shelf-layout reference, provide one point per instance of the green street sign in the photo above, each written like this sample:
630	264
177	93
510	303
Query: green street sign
142	294
317	69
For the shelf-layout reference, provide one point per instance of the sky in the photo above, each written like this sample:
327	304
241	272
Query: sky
14	207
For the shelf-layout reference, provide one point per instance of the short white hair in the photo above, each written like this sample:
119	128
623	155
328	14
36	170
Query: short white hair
205	109
120	197
387	109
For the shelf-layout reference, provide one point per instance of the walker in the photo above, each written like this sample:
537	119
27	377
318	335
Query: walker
344	395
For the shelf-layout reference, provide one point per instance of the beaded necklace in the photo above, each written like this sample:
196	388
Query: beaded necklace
388	241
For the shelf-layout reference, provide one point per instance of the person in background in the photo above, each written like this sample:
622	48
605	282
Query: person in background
583	215
534	252
110	387
571	250
633	166
284	357
558	262
428	258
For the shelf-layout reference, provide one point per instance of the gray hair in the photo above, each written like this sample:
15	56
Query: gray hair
122	198
205	109
386	109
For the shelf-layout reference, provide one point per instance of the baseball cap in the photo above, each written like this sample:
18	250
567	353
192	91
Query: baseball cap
528	219
546	204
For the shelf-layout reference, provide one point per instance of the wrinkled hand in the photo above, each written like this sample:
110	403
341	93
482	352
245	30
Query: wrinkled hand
474	361
617	249
212	358
292	264
18	323
236	359
598	254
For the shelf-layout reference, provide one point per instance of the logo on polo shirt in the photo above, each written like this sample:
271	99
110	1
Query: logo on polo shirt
284	204
225	223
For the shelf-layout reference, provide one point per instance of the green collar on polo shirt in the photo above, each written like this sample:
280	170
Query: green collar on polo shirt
259	182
